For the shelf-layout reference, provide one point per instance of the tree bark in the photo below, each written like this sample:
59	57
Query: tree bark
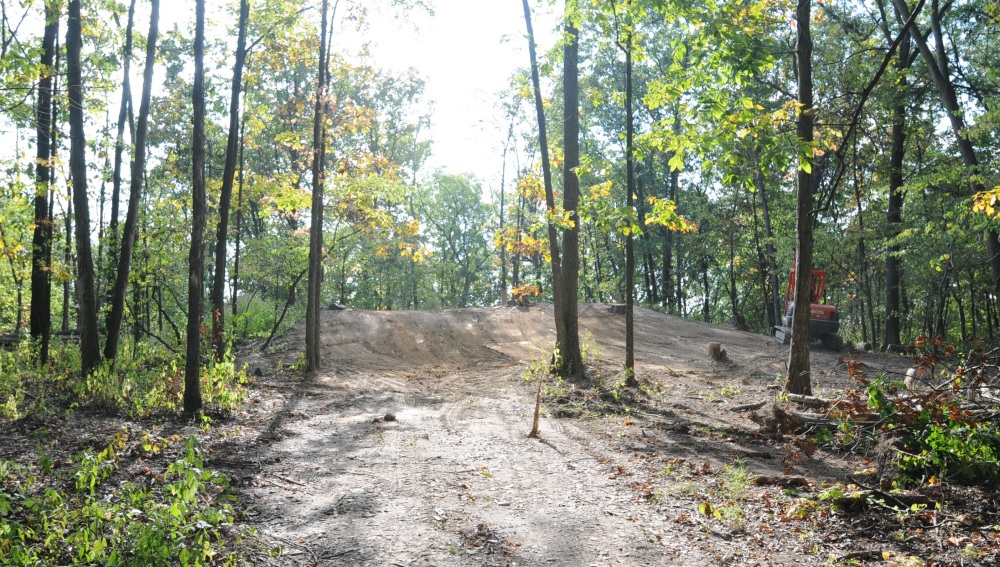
630	379
123	117
568	292
90	348
226	194
894	212
239	219
41	241
313	361
196	257
799	380
550	203
117	313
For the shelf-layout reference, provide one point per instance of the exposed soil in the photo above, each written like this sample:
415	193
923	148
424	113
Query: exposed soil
410	448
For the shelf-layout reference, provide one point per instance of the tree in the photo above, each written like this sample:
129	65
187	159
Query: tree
798	381
894	211
938	65
456	219
90	347
41	243
124	116
226	195
564	296
313	302
117	313
196	257
627	45
567	293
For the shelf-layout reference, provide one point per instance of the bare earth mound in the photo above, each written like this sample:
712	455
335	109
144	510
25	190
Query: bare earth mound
410	448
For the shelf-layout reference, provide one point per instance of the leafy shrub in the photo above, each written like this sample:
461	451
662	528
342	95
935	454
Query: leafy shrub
150	379
942	431
183	518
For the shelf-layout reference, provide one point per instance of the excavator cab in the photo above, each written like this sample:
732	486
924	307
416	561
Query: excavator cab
824	320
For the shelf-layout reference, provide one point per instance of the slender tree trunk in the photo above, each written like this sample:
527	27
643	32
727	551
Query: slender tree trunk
90	347
894	213
41	241
568	293
123	115
503	191
196	257
799	378
67	258
117	313
239	220
631	379
226	194
557	283
313	360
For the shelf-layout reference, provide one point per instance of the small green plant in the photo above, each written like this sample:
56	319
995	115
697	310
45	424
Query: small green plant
937	436
730	391
300	363
590	351
730	495
184	517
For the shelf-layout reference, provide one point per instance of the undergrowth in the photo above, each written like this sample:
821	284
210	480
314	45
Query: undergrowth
147	380
942	423
80	513
88	510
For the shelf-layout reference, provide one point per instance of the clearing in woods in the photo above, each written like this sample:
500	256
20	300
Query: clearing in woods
410	448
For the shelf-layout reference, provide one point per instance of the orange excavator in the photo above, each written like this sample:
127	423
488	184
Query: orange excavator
824	320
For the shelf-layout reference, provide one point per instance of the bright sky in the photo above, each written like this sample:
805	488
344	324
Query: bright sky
466	53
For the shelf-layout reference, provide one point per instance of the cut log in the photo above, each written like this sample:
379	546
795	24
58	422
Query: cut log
716	352
748	407
782	481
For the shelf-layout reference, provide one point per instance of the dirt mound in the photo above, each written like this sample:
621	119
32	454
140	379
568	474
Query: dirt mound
470	338
453	480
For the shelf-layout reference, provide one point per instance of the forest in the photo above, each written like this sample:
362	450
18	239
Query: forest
173	195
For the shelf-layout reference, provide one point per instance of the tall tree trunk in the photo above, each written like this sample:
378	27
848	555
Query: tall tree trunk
894	213
90	347
568	293
41	241
123	117
799	379
226	194
503	190
239	219
313	361
196	257
117	313
558	291
777	307
631	379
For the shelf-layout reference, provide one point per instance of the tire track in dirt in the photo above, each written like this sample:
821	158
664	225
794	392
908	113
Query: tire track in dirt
453	481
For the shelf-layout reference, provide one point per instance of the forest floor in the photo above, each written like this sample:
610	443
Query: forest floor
410	448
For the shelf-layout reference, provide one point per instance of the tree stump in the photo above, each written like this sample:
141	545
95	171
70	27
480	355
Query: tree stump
716	352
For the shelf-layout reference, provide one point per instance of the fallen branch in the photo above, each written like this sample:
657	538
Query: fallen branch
865	499
748	407
811	401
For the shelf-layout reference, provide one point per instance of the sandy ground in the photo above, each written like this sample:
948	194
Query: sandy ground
449	477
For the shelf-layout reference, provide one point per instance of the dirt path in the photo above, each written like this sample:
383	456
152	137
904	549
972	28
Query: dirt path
449	477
